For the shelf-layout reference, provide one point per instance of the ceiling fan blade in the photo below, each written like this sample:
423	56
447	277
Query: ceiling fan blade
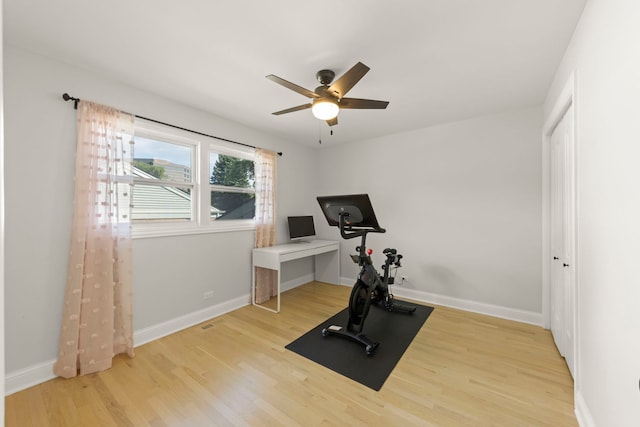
348	80
294	87
292	109
363	103
332	122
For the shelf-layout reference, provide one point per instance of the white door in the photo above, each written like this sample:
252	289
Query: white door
556	289
562	283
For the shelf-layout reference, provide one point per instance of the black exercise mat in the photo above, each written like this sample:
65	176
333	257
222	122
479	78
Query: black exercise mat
394	331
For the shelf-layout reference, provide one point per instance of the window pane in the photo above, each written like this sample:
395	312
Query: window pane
162	160
231	171
160	203
230	205
156	160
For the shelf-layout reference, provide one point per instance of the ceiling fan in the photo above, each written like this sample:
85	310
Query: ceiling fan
328	99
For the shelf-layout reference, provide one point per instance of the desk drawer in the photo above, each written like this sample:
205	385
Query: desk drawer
299	254
308	252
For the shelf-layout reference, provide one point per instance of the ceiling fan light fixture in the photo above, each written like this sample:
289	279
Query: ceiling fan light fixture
325	109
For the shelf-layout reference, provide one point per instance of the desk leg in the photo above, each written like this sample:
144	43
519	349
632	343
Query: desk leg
253	291
253	284
278	294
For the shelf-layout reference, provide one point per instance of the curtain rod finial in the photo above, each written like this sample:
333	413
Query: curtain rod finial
68	97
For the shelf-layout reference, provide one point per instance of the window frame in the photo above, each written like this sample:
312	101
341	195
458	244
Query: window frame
200	222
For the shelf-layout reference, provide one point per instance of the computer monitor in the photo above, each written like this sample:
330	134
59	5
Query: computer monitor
301	227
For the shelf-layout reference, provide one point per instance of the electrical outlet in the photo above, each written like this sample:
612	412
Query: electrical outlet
207	295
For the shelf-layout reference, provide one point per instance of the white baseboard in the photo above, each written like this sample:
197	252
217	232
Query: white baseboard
36	374
583	414
169	327
28	377
462	304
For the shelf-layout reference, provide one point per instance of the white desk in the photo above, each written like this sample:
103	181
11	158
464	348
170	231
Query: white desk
325	252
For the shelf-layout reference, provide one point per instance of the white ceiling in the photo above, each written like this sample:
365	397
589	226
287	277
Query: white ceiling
436	61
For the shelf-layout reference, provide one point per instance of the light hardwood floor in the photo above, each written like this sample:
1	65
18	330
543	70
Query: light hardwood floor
461	369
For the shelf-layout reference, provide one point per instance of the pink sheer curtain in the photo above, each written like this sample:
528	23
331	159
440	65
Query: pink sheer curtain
266	179
97	314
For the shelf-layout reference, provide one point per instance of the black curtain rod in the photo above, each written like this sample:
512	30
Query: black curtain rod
68	97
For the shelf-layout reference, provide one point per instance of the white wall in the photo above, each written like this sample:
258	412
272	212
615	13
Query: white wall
461	202
604	54
170	274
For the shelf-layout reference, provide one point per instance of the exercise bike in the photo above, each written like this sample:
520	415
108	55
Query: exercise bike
354	216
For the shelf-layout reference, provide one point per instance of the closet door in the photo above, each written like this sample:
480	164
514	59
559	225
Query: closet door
562	284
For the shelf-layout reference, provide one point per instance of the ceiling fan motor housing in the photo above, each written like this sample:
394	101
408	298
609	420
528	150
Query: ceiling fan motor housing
323	91
325	76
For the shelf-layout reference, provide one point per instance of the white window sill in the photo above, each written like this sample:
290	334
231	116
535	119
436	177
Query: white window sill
143	231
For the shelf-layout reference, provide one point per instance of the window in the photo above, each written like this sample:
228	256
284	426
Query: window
232	188
186	185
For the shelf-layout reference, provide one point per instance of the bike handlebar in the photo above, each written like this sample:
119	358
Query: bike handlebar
348	231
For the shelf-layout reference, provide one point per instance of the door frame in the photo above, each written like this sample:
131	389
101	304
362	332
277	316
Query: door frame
565	99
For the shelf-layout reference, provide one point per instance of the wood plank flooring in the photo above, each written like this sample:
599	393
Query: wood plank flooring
462	369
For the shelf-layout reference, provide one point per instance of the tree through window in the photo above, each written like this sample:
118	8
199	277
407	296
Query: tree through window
232	187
